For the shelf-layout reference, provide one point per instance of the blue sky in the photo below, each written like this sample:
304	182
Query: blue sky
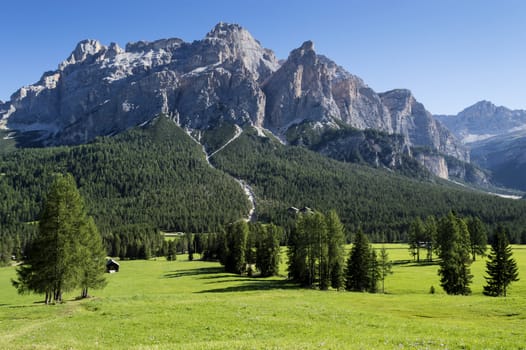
450	53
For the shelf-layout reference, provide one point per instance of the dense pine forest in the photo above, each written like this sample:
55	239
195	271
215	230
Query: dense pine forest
156	177
379	201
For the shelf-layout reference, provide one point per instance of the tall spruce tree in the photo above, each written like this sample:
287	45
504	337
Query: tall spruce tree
500	267
361	271
453	248
58	259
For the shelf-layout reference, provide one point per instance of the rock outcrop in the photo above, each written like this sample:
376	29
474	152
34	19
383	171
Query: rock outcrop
410	119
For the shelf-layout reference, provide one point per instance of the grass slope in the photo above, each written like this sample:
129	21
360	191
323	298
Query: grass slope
195	305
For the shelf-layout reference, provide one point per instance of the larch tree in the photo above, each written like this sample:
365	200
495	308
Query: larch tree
92	258
58	259
267	249
316	250
501	267
336	234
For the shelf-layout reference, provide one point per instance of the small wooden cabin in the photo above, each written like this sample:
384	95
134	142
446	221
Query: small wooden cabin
112	266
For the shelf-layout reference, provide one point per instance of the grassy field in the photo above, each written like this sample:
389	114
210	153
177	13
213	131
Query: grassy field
158	304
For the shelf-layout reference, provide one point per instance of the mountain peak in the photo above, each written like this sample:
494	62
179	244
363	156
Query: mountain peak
480	109
83	50
224	30
307	46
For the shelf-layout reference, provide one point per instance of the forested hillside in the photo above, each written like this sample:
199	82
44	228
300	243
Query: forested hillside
380	202
155	175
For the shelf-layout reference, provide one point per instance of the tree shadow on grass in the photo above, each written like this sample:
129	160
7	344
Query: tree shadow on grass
194	272
421	264
253	284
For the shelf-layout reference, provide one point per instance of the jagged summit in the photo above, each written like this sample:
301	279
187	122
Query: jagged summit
84	50
224	30
228	76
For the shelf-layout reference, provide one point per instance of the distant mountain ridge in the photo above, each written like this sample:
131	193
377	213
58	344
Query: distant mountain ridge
496	136
483	120
225	77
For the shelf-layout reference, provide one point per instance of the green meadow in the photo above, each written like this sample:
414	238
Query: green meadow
159	304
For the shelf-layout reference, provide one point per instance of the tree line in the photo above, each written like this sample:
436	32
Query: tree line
68	251
316	256
457	242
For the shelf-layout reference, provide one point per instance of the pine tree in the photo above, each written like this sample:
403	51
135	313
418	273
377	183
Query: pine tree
234	242
92	258
57	260
358	275
336	252
454	250
500	267
320	251
267	249
297	252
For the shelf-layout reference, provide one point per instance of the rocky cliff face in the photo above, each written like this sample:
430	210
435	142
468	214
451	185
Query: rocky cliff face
310	87
226	77
410	119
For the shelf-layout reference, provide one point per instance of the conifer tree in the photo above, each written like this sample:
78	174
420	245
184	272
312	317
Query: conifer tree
500	267
267	249
336	234
58	260
92	258
453	250
360	268
316	250
234	245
